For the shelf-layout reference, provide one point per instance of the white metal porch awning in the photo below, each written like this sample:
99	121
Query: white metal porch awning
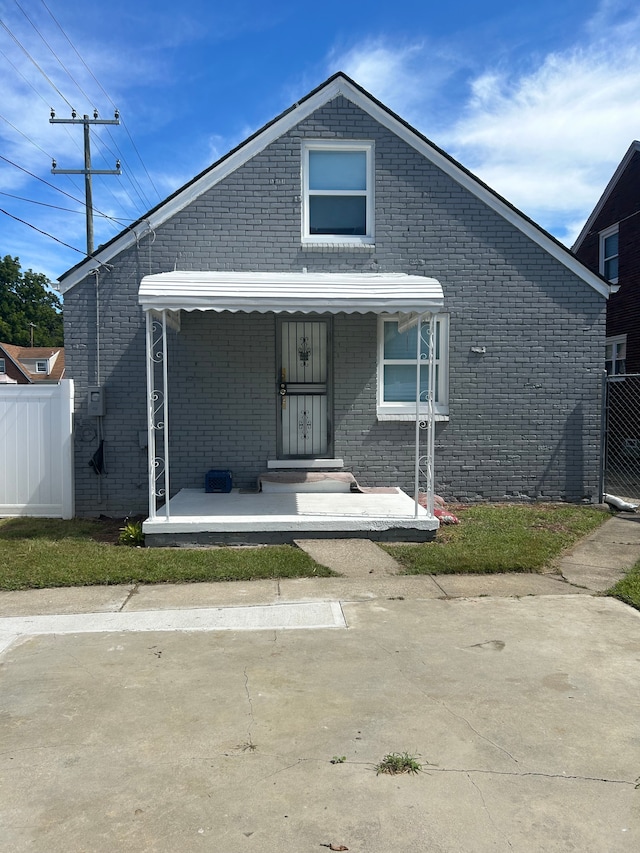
291	292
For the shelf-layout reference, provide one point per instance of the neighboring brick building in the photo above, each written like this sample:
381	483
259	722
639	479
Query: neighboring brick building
339	186
609	244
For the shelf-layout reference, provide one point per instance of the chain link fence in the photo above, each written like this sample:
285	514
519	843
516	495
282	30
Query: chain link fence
621	457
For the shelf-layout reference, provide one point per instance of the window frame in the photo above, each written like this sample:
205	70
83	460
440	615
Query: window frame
368	148
42	365
3	364
616	342
406	411
605	259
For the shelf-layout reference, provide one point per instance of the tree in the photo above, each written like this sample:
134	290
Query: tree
25	299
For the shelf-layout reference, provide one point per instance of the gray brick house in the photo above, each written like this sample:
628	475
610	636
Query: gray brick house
286	295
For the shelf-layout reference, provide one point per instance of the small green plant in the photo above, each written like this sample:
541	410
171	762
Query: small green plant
338	759
398	762
131	534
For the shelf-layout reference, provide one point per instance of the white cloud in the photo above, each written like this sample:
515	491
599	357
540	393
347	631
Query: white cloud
408	78
547	138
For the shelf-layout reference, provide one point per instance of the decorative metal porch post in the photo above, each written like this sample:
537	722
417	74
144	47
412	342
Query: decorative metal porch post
424	464
157	412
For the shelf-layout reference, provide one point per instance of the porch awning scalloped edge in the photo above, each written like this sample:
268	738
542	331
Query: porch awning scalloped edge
291	292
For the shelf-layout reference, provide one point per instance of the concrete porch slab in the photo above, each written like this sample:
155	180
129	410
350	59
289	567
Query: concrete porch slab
195	517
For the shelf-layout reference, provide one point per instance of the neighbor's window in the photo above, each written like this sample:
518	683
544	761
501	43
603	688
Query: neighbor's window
609	254
616	354
42	367
397	364
3	366
338	192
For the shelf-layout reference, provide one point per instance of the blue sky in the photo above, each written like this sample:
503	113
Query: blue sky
541	100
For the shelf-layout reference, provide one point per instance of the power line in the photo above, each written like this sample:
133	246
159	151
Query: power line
28	138
106	94
134	183
41	203
57	189
84	94
26	52
40	231
70	75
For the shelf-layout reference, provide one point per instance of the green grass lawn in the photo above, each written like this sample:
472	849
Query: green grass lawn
628	589
47	552
500	538
490	538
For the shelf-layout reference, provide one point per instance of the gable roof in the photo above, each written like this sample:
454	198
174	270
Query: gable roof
20	355
634	148
337	85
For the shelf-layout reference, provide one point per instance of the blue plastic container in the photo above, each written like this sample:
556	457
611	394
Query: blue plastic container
218	481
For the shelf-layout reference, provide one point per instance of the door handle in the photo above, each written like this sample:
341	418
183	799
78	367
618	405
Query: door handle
283	389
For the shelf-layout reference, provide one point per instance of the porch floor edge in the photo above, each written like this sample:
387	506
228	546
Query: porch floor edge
199	518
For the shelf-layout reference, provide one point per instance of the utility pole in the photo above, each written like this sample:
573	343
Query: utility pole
87	171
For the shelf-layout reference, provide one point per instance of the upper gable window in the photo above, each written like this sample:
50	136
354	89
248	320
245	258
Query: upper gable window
337	179
609	254
42	366
3	366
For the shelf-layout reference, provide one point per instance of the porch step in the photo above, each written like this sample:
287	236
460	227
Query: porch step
321	482
298	481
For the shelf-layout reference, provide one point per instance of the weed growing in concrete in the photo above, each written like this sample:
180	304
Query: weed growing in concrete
398	762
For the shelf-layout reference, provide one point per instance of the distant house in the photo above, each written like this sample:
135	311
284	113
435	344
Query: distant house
302	308
609	244
26	365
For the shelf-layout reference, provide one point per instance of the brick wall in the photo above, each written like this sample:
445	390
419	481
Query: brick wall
623	309
524	417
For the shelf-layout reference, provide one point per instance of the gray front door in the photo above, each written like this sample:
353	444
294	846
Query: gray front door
303	389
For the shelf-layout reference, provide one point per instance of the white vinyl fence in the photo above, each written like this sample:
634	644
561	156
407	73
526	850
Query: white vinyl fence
36	450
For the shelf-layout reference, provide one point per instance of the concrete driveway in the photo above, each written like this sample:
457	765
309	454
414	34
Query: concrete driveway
525	713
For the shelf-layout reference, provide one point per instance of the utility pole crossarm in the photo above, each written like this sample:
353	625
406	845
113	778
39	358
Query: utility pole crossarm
87	171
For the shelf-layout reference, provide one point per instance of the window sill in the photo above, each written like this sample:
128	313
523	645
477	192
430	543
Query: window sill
338	246
439	417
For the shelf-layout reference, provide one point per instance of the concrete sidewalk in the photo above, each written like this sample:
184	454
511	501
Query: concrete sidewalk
593	566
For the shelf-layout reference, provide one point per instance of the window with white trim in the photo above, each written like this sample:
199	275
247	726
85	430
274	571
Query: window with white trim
337	184
42	366
609	254
397	358
3	365
616	355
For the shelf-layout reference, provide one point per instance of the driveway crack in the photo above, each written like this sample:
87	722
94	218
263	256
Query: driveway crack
488	813
249	744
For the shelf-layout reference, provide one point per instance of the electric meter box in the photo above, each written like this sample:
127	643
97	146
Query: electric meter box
95	403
